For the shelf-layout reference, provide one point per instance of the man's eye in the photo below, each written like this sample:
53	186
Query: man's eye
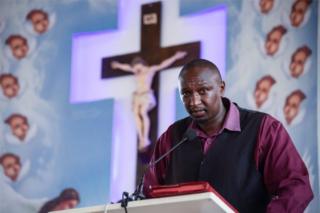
185	94
202	91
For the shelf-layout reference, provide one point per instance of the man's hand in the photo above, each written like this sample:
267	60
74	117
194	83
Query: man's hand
180	54
115	65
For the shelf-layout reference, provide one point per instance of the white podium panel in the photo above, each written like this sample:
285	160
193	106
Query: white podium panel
194	203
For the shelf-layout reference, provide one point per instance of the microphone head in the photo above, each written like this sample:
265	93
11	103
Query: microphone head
190	134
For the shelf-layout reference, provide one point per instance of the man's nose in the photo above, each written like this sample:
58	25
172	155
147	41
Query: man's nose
195	99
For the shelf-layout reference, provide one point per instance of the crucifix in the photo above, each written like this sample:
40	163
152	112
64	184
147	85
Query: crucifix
145	66
89	84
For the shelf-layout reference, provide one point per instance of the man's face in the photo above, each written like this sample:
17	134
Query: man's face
9	86
19	127
11	167
291	108
139	68
266	5
273	42
297	64
40	22
201	93
261	92
297	13
66	204
19	48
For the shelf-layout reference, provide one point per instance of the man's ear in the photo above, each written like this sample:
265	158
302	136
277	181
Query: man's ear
222	87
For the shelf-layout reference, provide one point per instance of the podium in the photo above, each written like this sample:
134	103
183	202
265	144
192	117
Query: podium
206	202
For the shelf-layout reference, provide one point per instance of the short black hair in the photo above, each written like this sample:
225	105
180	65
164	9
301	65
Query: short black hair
279	28
8	75
200	63
138	60
14	115
268	78
308	2
35	11
16	36
304	49
4	156
66	194
297	92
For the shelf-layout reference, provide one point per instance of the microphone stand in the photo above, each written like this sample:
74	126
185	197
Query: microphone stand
138	194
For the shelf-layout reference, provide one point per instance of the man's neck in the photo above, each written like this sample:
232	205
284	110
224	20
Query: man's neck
214	126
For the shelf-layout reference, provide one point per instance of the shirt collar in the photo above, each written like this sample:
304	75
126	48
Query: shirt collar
231	121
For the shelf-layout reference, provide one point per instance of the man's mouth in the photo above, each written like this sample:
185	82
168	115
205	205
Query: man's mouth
197	112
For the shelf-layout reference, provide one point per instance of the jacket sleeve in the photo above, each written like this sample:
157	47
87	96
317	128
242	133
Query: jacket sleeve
284	172
156	173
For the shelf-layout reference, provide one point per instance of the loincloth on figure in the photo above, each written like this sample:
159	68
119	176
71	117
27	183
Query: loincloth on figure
145	98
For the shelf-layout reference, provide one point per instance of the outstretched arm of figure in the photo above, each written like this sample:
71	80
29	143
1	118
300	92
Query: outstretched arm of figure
167	62
123	67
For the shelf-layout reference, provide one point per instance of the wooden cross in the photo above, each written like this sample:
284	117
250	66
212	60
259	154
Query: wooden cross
153	54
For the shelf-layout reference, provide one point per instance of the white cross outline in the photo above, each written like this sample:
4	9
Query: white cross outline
88	49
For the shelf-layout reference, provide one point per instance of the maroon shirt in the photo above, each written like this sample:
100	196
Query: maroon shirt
285	175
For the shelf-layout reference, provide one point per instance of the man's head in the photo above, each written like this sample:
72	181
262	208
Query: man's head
292	105
11	165
298	11
138	63
262	90
201	89
273	39
266	5
10	85
19	125
39	20
298	60
18	45
68	199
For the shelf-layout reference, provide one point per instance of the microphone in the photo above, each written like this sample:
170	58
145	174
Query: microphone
188	136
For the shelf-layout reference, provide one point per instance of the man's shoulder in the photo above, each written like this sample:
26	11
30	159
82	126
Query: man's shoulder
175	130
181	124
187	119
250	111
253	114
244	112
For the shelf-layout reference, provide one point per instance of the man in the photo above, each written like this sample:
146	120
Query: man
18	45
298	61
273	39
39	20
19	125
247	156
298	11
9	85
262	90
143	97
11	165
266	6
291	107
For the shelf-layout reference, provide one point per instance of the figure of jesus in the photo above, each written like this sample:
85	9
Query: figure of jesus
143	97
